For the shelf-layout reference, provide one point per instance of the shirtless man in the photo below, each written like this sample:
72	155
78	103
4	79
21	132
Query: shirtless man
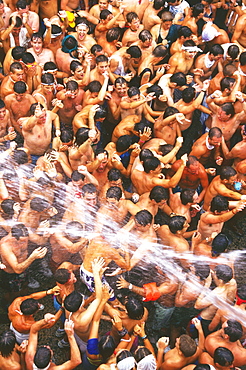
81	35
127	126
172	235
238	151
19	103
120	91
6	128
170	82
125	59
31	18
151	18
11	355
47	8
152	176
183	61
208	145
167	125
182	203
222	185
40	54
71	5
184	33
131	34
107	21
145	43
213	220
239	36
16	74
101	71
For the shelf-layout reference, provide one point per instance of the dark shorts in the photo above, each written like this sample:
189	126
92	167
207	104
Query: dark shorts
13	282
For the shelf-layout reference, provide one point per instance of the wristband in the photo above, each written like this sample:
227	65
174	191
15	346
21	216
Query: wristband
130	286
122	332
141	141
144	337
125	340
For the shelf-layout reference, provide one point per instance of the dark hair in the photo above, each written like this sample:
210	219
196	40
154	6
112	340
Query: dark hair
166	16
15	66
234	330
145	153
130	16
202	270
229	69
3	233
202	366
120	80
123	143
81	135
18	231
37	35
7	343
50	66
158	193
34	106
101	112
151	164
18	21
42	357
69	43
17	52
20	87
101	58
66	136
224	272
158	4
135	308
104	14
139	127
113	34
215	132
134	51
223	356
114	174
106	347
29	306
216	50
226	83
170	111
72	85
21	4
56	30
220	244
2	104
219	204
132	91
144	35
62	276
47	78
165	148
187	345
156	89
227	172
82	20
77	176
141	352
241	291
39	204
188	94
179	78
122	355
228	108
242	58
73	301
176	223
28	58
160	51
189	43
89	188
233	51
143	217
187	195
74	65
184	31
191	160
114	192
96	49
197	9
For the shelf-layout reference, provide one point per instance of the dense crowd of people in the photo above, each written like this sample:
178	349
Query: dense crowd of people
122	157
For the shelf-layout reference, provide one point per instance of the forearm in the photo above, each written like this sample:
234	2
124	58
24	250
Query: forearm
176	178
75	357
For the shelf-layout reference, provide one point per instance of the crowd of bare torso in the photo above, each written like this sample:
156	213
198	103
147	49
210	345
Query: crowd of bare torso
122	165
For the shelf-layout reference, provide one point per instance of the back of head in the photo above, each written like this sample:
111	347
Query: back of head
156	89
227	172
216	50
160	51
17	52
15	66
39	204
42	357
143	217
187	345
202	270
224	273
176	223
215	132
123	143
151	164
197	9
229	69
145	35
69	44
188	94
158	4
106	346
234	330
169	111
187	195
29	306
18	231
7	206
134	51
77	176
113	34
96	49
135	308
223	356
158	193
47	79
101	112
145	153
73	301
202	367
219	204
242	58
132	91
219	244
62	276
125	360
185	32
7	343
233	51
179	78
166	16
28	58
226	83
165	149
82	135
114	192
20	157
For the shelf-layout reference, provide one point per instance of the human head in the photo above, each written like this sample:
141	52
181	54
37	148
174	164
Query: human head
113	195
77	69
155	89
7	206
21	6
226	111
201	270
188	196
17	27
114	177
7	343
121	86
190	49
77	178
96	50
123	143
37	42
242	59
167	19
73	301
81	135
74	231
103	4
198	10
72	89
219	244
19	90
56	31
29	306
226	84
223	357
47	83
102	63
187	345
215	136
158	4
17	52
50	67
104	14
229	69
143	220
62	276
193	165
134	52
28	59
224	273
146	38
89	192
113	34
178	79
82	28
152	164
125	360
159	194
228	175
42	357
16	71
178	224
184	33
145	359
133	21
39	204
106	347
69	44
134	308
159	52
19	231
219	204
233	329
216	52
188	94
232	53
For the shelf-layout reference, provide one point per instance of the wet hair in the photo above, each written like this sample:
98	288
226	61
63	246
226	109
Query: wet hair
145	35
47	78
21	4
140	126
242	58
145	153
223	356
151	164
15	66
220	244
81	135
226	83
7	343
89	188
135	308
158	193
39	204
202	270
241	291
165	148
143	217
141	352
188	94
224	272
3	233
101	58
158	4
189	43
176	223
74	229
18	21
66	136
132	91
229	69
156	89
82	20
72	85
42	357
96	49
184	31
106	347
74	65
18	231
17	52
37	35
228	108
101	112
233	51
113	34
114	174
131	16
28	58
77	176
120	80
160	51
2	104
20	156
191	160
50	66
215	132
114	192
20	87
197	9
216	50
234	330
104	14
227	172
170	111
34	106
73	301
134	51
187	345
166	16
62	276
186	196
122	355
29	306
219	204
179	78
123	143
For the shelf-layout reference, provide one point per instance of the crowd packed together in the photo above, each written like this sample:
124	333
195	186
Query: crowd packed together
122	168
